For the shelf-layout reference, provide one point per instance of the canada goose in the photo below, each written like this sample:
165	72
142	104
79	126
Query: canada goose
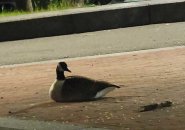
77	88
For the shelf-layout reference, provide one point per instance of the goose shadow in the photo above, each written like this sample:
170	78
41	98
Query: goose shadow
50	104
117	99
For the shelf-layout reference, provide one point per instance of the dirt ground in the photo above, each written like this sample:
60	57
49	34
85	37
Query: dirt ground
150	77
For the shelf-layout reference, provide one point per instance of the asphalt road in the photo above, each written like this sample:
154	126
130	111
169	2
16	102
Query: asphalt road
93	43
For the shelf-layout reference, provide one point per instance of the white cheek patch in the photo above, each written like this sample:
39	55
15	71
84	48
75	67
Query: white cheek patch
104	92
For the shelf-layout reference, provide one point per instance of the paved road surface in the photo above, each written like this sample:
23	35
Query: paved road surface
148	77
92	43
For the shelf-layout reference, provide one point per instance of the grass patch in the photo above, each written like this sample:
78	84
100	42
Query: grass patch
13	13
51	7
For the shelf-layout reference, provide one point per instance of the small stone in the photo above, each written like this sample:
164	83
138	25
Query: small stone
87	117
66	56
108	118
9	112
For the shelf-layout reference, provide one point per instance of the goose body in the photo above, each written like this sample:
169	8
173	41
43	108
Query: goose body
77	88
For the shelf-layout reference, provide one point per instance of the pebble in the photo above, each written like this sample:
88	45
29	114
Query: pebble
9	112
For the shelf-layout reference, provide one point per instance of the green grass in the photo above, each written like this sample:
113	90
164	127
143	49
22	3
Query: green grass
14	13
51	7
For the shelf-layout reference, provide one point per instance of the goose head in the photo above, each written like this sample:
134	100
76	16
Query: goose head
61	67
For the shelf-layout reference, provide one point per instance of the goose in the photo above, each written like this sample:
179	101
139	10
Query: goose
77	88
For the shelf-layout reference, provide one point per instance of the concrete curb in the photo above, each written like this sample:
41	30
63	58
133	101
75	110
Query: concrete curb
91	19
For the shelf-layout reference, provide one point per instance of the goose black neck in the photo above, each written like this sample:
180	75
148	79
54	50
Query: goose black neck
60	75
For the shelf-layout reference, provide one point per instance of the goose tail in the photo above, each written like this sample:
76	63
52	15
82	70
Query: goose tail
116	86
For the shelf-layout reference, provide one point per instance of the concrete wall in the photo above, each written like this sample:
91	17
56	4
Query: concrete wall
162	12
91	19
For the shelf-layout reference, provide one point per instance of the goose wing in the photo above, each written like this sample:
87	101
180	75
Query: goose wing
82	88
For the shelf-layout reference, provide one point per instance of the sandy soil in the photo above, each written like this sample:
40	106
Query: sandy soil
150	77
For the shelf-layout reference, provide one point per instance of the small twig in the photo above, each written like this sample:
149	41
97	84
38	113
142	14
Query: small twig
155	106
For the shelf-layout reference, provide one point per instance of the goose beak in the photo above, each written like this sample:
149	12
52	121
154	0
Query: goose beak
68	70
